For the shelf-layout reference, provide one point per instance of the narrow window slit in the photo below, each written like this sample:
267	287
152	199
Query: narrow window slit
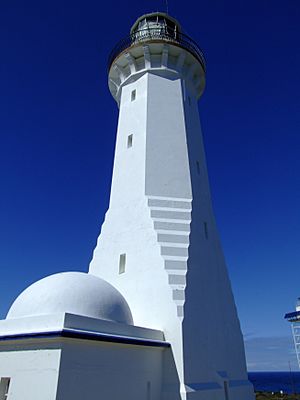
4	387
122	263
205	230
129	141
198	167
148	390
226	390
133	95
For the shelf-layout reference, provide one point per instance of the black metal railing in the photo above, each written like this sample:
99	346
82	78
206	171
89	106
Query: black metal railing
157	34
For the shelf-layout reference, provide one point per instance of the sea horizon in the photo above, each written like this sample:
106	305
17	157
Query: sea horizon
275	381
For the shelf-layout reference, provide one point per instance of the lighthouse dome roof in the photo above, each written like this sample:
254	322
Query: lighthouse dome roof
160	18
75	293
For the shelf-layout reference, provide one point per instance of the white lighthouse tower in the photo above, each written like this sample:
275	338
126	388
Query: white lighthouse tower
159	244
294	318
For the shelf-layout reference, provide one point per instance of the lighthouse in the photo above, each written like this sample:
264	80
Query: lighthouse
294	319
154	318
159	244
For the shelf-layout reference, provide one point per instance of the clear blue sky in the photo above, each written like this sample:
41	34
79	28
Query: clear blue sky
58	124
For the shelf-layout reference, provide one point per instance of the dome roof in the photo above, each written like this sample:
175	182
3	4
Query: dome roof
75	293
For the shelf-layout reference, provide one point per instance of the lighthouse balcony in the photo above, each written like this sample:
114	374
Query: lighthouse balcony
157	34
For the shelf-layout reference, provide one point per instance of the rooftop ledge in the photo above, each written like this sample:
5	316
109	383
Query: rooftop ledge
78	327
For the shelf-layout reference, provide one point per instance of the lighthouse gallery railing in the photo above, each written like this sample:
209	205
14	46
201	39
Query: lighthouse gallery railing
158	34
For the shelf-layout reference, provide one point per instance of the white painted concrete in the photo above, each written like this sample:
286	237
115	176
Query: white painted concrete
74	369
41	323
65	321
33	370
160	215
58	367
109	371
75	293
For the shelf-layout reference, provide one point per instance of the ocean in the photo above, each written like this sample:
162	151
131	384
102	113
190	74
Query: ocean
288	382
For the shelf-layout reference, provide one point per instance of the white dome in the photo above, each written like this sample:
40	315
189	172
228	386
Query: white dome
75	293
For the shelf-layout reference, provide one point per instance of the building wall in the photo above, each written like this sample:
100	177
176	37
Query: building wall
99	370
208	293
33	370
128	226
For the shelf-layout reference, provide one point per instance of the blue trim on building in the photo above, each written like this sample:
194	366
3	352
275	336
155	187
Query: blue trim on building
95	336
293	315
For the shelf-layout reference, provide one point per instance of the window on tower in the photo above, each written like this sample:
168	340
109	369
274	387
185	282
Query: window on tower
198	167
133	95
122	263
205	230
148	390
226	390
129	141
4	387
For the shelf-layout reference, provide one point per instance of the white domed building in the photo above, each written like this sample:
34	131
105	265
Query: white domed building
71	336
154	318
73	293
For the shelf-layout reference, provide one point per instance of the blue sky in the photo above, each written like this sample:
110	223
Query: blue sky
57	128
